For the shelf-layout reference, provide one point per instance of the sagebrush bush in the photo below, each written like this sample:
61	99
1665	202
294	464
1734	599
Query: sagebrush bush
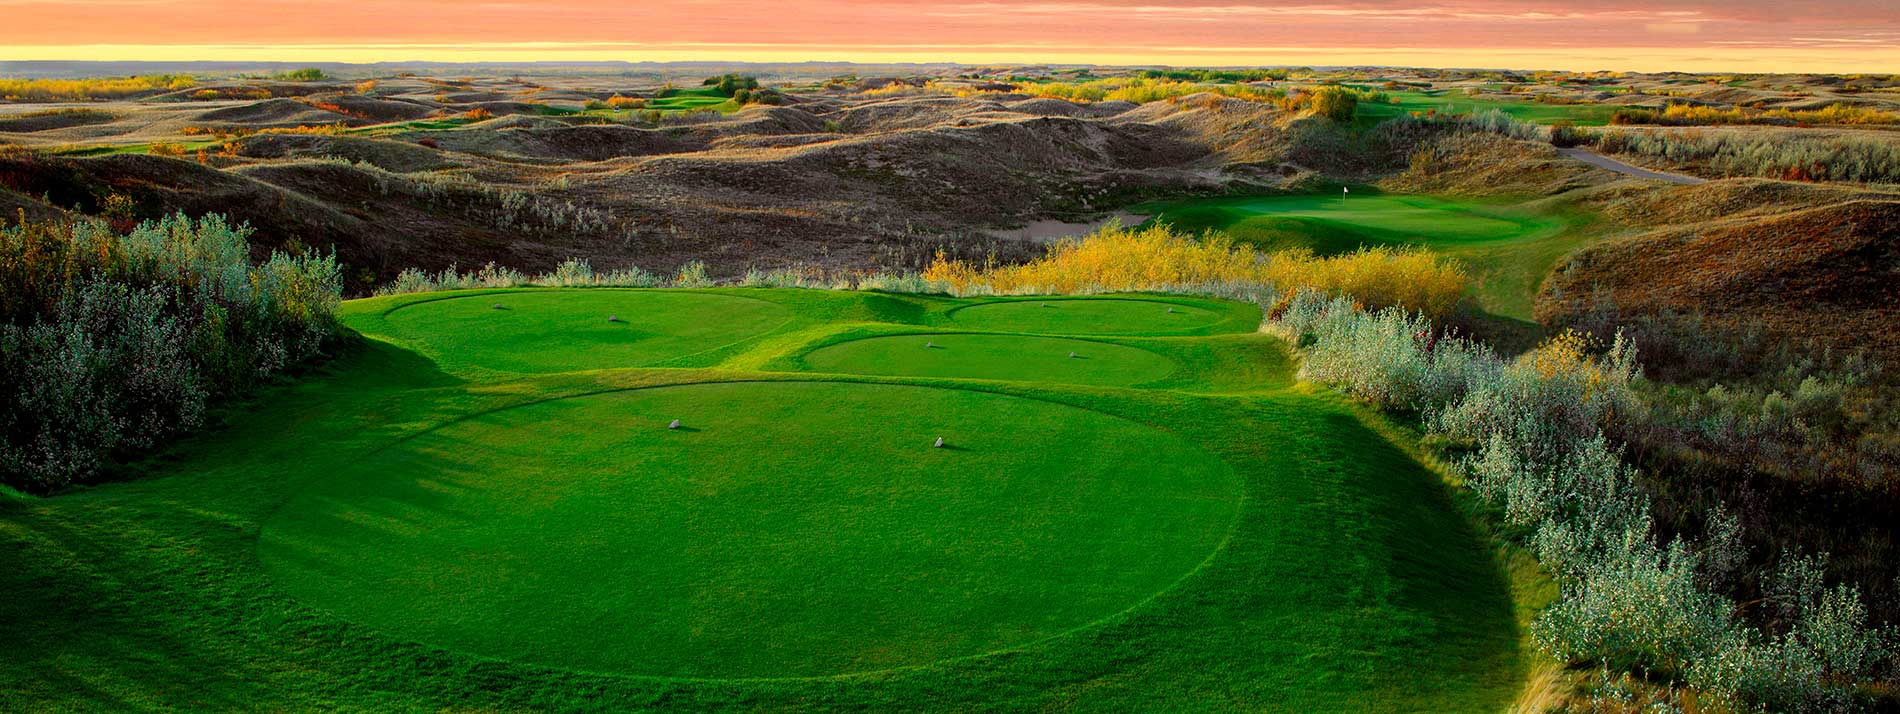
112	343
1533	431
1767	153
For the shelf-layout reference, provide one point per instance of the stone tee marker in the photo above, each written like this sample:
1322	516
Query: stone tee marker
613	318
939	443
674	425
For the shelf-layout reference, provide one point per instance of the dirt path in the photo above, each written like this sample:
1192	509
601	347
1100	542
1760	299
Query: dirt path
1599	160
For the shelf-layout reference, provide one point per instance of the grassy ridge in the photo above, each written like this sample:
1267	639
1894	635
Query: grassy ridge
1346	582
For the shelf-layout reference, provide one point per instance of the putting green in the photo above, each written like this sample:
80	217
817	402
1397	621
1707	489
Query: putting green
1337	224
1011	357
1112	316
562	330
789	529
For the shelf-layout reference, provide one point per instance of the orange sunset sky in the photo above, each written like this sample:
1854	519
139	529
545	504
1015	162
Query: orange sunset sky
1641	35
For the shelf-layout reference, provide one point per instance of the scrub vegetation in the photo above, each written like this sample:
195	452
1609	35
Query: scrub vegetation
111	344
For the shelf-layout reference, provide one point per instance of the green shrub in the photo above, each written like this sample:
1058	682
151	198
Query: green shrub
1336	103
1565	135
111	344
1534	427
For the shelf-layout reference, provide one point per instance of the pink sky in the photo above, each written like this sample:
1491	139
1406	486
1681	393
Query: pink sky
1743	35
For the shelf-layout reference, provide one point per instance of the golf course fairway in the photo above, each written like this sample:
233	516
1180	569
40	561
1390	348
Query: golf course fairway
1507	249
472	508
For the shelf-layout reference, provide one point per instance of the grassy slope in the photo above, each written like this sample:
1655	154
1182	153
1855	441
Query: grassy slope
1508	250
1348	581
1459	103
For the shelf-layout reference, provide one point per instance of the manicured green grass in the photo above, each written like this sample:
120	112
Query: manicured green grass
1508	249
563	331
1460	103
410	529
1056	316
813	516
979	356
683	100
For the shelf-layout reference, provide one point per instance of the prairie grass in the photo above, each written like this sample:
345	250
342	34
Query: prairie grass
1116	259
1691	115
1766	153
79	90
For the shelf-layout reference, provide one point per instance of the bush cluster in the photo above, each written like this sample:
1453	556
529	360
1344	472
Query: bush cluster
730	84
1766	154
1532	431
82	90
110	343
1695	115
1116	259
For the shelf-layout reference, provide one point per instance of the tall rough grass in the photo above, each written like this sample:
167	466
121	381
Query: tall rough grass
1741	152
1116	259
80	90
1696	115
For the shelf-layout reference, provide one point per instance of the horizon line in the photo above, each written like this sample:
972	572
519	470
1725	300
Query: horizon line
1730	59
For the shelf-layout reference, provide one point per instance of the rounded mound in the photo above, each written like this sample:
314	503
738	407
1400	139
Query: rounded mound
786	529
563	330
1011	357
1113	316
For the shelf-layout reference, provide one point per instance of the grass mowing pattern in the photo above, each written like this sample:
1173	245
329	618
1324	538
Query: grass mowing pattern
791	529
1114	316
977	356
556	331
1329	225
1444	102
1507	251
1349	581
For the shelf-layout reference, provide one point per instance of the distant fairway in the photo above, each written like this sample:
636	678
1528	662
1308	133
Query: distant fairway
816	517
1012	357
482	509
1449	102
1508	250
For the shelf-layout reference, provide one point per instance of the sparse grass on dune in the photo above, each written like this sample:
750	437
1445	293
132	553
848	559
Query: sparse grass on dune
409	530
